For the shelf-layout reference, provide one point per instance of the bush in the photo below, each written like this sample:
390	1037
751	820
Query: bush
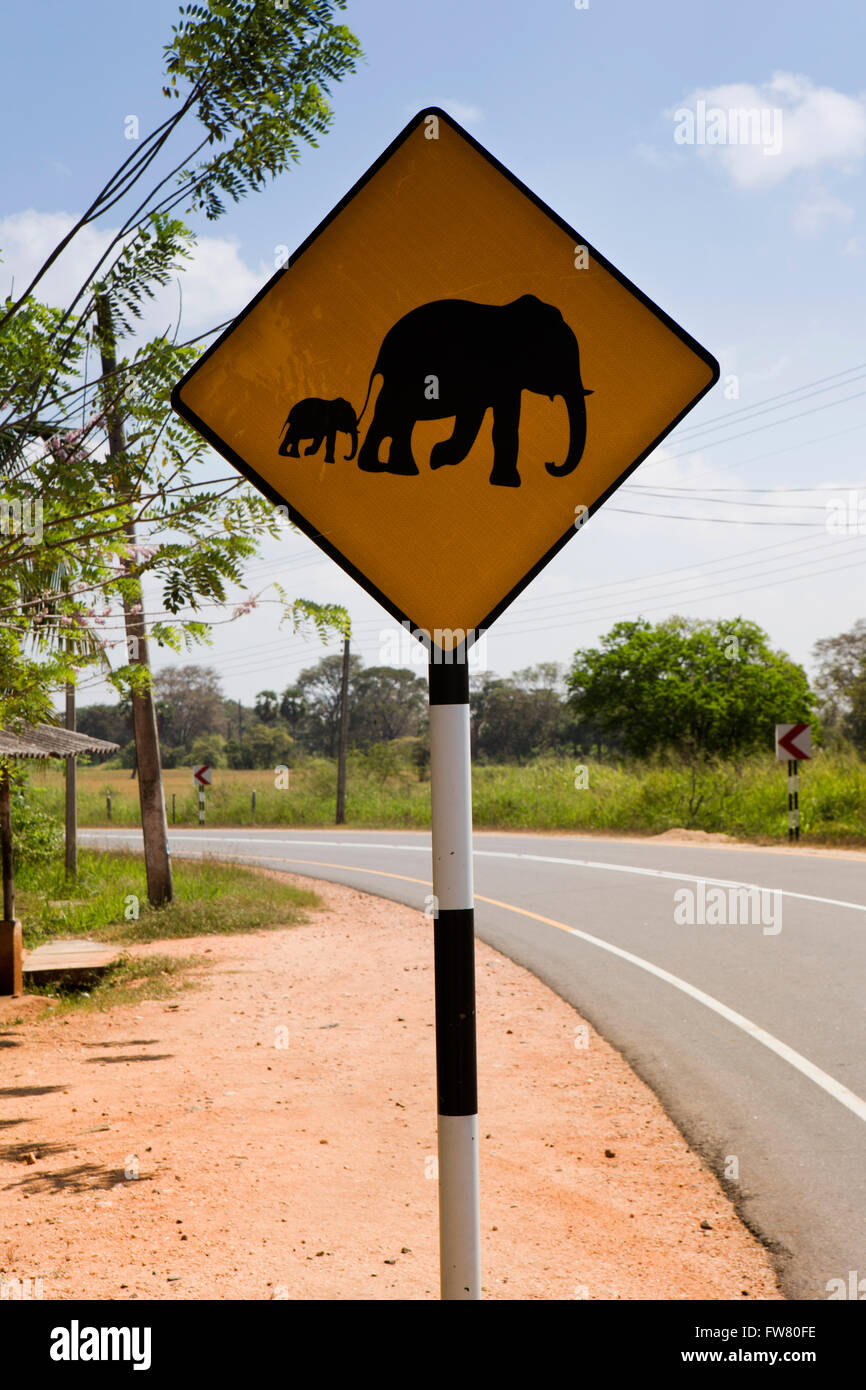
36	836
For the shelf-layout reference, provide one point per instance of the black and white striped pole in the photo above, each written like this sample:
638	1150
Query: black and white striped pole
454	966
793	800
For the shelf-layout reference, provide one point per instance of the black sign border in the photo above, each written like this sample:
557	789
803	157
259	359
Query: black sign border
221	447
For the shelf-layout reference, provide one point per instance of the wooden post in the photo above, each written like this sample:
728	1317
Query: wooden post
11	980
153	819
344	735
71	806
6	847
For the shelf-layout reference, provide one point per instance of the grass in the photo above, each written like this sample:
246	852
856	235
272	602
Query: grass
746	797
108	901
127	981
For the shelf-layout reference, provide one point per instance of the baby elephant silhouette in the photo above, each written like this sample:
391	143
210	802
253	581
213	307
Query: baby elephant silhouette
318	421
454	357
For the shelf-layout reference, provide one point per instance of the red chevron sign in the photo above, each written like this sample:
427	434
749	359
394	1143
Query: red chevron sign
793	741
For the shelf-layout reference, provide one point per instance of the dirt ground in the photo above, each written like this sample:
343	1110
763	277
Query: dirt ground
158	1150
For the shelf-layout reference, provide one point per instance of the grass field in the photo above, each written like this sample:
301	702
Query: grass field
108	900
745	798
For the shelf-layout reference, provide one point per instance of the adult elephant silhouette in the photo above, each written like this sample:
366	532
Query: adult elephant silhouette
319	421
454	357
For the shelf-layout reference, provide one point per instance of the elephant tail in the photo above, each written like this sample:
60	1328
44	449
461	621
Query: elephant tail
376	369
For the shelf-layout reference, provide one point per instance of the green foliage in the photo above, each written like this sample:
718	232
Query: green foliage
519	718
841	684
209	897
36	836
744	796
248	79
700	688
259	70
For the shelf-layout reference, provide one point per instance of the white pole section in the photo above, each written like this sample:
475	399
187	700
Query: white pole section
454	965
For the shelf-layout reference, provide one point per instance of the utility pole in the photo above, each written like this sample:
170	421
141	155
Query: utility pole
71	790
153	822
344	736
240	720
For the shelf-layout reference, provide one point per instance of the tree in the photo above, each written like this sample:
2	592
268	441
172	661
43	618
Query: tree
320	688
386	702
517	718
111	722
696	687
267	706
841	683
247	79
292	708
189	704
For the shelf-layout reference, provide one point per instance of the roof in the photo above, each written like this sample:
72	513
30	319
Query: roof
47	741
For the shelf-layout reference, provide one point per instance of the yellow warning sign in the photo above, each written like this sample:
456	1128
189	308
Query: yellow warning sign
443	382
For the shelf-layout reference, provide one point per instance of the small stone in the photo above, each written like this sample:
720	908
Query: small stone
706	1226
405	1250
390	1262
30	1158
610	1153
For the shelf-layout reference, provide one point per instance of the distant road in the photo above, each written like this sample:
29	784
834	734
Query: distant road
754	1040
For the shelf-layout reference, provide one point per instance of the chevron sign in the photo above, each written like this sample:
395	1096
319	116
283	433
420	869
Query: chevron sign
793	741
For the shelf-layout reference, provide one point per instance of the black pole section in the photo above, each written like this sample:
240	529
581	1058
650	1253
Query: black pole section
454	957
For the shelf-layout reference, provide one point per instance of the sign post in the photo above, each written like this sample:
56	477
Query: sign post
201	777
454	972
794	742
492	379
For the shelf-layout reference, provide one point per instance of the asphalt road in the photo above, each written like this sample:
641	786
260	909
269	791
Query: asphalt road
752	1035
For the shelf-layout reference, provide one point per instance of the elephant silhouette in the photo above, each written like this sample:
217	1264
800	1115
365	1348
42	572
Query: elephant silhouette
454	357
319	421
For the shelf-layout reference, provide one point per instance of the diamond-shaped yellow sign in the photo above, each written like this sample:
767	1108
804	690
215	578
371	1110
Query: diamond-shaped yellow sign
443	382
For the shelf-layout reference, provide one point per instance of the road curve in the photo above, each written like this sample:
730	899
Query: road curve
752	1035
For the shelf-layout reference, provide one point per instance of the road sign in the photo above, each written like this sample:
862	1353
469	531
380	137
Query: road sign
793	741
201	776
443	383
440	387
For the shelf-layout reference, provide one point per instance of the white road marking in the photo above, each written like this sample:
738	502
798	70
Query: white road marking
788	1054
192	836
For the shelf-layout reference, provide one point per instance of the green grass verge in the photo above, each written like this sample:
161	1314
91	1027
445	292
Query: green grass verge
108	900
128	981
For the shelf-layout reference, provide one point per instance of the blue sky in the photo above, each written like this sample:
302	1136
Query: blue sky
761	258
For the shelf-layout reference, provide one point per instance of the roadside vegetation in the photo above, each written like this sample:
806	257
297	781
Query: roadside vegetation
107	901
743	797
660	726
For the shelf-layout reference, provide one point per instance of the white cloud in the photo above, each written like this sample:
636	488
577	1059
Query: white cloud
215	282
463	112
811	218
816	126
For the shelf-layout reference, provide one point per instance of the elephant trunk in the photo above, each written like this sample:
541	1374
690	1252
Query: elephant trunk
576	433
354	433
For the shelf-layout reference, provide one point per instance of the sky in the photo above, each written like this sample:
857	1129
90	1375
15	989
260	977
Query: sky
756	504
